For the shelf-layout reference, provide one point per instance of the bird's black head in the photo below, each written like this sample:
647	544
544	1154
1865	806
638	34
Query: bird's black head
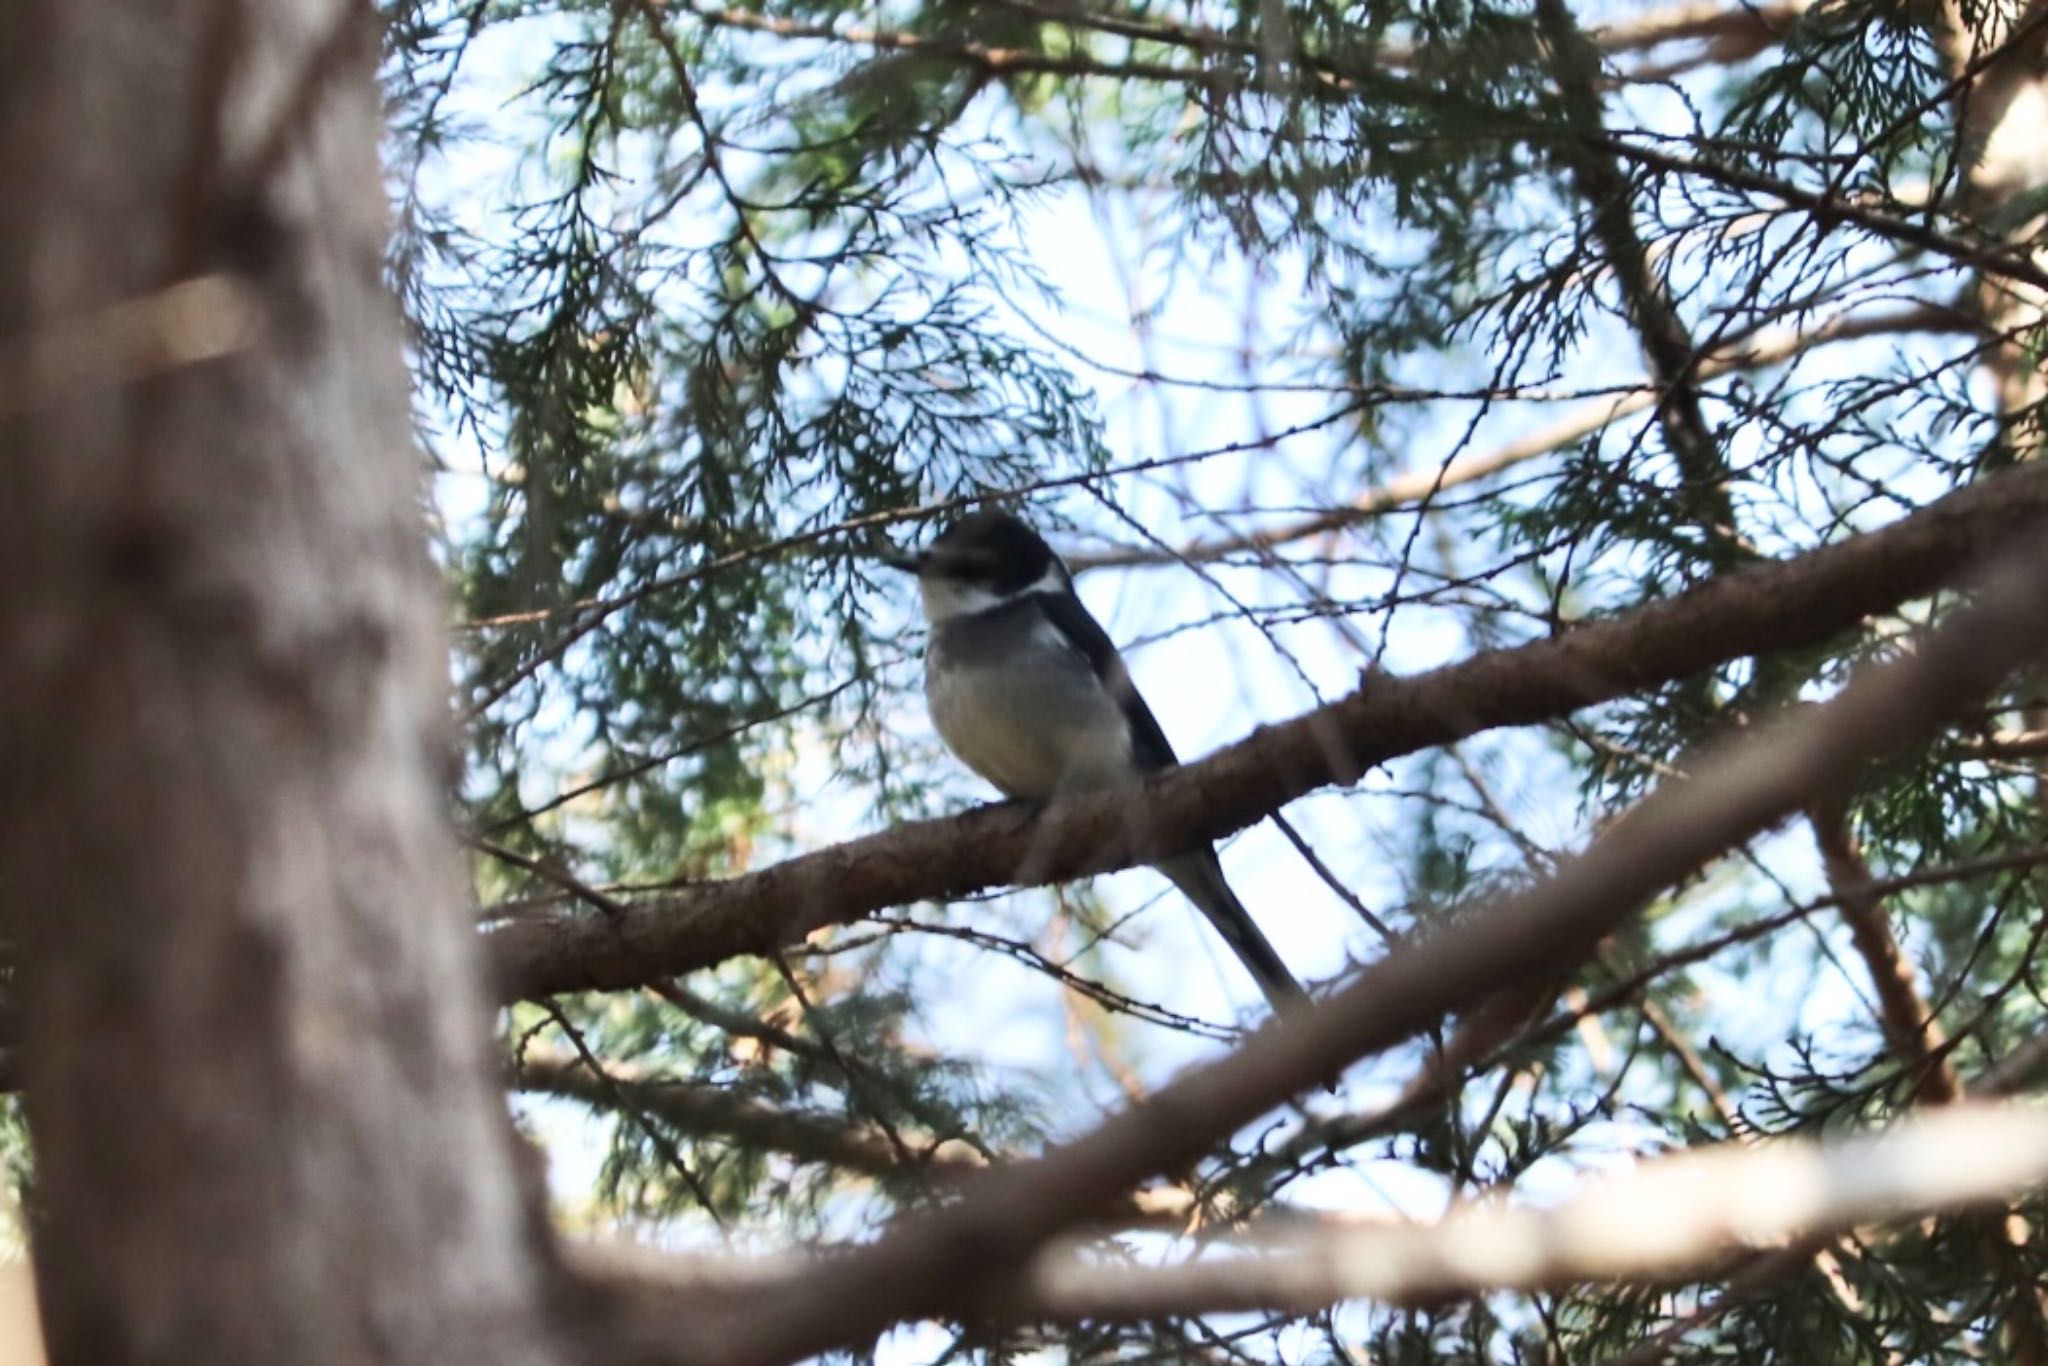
991	549
983	560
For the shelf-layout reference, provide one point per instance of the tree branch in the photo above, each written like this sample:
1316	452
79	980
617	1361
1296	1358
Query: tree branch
712	1110
1733	33
1828	209
1772	606
1915	1035
2006	746
1666	341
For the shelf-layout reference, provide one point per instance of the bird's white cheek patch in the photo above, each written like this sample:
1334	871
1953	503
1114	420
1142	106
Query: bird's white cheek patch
945	599
1053	580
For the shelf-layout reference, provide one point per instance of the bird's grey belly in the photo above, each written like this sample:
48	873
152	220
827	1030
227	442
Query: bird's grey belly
1031	732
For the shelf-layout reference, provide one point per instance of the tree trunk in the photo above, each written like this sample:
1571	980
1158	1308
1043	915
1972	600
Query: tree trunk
256	1068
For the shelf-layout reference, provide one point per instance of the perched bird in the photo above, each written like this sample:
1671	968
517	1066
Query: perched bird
1026	688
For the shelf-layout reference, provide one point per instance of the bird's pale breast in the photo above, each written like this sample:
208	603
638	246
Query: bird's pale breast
1022	709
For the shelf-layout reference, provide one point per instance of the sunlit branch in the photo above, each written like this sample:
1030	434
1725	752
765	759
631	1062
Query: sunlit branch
1681	1218
1732	33
199	319
2008	745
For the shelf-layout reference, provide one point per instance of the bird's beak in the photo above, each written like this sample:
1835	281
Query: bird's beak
909	564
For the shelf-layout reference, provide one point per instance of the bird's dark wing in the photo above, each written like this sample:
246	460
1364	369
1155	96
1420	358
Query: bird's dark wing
1149	743
1196	873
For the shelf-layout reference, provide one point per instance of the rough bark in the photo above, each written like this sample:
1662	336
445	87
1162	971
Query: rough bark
266	1126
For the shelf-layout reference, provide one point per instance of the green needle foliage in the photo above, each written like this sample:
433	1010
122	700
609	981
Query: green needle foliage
707	304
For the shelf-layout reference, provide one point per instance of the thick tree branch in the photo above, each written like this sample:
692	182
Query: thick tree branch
1772	606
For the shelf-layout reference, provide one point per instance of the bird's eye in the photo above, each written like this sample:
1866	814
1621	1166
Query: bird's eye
968	562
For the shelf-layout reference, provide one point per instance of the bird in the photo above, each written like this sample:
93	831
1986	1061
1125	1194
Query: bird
1026	689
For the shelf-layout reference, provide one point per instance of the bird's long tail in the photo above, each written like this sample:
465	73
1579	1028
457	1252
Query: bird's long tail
1200	878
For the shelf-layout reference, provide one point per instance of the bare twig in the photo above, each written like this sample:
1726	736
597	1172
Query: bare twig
548	871
1592	416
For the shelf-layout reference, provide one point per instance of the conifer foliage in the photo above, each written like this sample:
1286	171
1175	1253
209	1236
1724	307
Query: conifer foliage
1589	352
